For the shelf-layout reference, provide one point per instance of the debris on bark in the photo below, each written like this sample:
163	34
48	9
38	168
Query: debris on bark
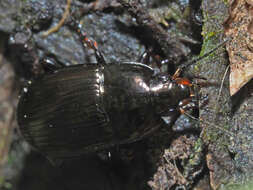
61	22
181	165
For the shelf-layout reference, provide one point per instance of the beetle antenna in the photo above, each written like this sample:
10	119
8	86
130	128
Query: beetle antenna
211	124
86	42
191	62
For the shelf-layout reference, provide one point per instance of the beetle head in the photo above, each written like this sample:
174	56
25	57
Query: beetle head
168	92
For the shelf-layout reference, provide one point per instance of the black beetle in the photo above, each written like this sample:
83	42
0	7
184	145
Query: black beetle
74	110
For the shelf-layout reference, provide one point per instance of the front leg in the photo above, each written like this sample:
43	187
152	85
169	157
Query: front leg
145	57
173	114
187	104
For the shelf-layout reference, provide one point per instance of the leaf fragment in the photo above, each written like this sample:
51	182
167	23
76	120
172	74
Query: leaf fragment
239	27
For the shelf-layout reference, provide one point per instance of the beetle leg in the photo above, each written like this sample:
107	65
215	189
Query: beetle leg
50	65
177	73
145	57
86	42
187	104
171	116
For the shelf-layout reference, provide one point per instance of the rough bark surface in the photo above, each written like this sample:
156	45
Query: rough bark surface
227	127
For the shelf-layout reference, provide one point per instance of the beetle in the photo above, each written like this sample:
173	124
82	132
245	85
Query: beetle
73	110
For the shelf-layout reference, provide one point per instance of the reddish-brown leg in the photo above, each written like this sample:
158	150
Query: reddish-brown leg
86	42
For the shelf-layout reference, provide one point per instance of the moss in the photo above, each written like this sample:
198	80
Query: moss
225	2
235	186
210	136
186	12
1	181
4	184
198	145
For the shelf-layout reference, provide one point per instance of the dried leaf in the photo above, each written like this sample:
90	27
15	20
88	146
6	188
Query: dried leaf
239	27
